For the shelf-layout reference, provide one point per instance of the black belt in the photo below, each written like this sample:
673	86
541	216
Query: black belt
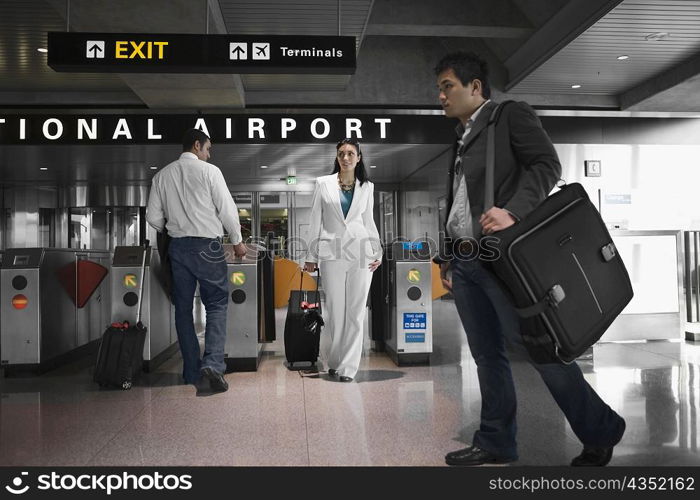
218	238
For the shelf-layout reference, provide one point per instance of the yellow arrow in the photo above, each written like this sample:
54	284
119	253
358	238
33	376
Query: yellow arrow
130	280
238	278
413	276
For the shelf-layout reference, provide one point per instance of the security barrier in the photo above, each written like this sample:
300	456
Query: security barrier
53	306
409	304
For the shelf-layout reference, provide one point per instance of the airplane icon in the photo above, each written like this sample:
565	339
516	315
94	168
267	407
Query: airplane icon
261	51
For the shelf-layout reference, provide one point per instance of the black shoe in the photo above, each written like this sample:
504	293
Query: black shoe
332	372
217	382
593	457
473	455
597	456
343	378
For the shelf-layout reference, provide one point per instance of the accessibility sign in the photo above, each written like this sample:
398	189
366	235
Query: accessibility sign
130	280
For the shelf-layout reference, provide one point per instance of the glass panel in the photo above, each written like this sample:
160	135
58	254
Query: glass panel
79	235
99	234
273	221
124	222
388	218
244	203
47	227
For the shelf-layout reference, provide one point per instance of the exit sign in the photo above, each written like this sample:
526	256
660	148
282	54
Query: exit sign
291	179
189	53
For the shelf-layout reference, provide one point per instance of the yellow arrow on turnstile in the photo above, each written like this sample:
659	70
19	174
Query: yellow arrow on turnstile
238	278
413	276
130	280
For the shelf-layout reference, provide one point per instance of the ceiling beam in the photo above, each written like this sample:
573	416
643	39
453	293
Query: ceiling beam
181	91
660	90
566	25
453	30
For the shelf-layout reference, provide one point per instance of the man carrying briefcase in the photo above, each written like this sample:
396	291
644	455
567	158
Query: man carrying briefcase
526	170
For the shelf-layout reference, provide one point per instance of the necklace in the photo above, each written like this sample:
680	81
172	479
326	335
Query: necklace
346	187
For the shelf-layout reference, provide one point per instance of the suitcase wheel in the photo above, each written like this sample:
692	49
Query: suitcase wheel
126	385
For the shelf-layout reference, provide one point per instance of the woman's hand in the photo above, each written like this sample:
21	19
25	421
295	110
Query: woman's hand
374	265
309	267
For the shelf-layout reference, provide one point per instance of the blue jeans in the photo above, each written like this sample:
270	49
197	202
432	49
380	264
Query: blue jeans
489	319
199	260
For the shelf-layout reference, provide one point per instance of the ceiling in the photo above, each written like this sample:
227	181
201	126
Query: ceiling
536	49
241	166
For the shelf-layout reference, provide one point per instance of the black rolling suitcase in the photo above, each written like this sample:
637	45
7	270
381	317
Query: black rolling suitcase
302	328
561	269
120	356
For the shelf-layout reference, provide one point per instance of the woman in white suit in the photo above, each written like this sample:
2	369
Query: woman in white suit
344	242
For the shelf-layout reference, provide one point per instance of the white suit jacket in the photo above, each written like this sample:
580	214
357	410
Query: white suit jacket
333	236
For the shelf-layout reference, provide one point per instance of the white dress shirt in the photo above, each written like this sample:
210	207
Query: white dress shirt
193	197
459	222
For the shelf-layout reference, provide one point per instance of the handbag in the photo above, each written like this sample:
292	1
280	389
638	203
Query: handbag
560	268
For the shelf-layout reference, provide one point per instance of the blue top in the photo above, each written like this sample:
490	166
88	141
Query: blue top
346	200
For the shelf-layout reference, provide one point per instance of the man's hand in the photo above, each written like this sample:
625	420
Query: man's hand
447	283
496	219
240	250
309	267
374	265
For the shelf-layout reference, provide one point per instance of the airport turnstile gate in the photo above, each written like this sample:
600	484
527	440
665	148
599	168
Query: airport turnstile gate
54	306
243	348
409	305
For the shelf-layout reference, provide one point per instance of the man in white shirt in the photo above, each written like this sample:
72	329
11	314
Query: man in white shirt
190	199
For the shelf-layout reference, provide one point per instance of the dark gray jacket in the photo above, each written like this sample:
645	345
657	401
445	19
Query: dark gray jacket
527	166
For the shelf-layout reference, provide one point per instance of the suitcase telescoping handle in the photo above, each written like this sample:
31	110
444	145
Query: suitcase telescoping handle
143	277
301	282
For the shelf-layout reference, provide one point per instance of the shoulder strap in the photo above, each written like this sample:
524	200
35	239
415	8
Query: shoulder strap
491	155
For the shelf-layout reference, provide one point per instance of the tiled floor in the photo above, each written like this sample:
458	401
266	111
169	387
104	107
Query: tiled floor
388	416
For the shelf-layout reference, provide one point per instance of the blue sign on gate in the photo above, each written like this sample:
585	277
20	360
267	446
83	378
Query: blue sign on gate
414	321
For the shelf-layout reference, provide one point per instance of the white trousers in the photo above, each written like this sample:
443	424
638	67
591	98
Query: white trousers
346	285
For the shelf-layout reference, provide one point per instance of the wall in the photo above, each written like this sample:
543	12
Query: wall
662	181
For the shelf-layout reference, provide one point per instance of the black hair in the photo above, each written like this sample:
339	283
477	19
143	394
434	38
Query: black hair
468	67
360	172
191	136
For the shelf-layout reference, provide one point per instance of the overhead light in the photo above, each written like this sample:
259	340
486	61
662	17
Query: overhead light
576	86
153	167
659	35
42	50
43	168
622	57
263	166
372	166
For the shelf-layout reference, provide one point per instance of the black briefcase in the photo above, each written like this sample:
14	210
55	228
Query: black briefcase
562	271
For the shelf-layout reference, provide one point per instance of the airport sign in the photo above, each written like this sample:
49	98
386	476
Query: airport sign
192	53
